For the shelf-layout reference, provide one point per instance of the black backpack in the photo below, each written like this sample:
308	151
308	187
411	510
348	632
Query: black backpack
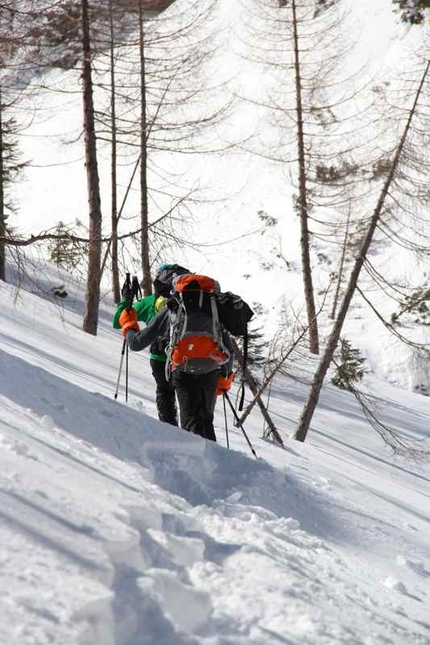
235	314
196	342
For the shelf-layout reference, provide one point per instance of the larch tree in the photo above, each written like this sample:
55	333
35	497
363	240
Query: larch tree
144	219
311	104
120	23
387	194
114	189
155	73
163	112
92	294
59	35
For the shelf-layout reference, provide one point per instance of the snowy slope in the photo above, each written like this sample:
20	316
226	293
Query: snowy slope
117	529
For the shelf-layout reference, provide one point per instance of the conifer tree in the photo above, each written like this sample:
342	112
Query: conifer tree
349	366
412	11
11	167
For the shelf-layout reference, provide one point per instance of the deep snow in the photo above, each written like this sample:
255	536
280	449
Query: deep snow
118	529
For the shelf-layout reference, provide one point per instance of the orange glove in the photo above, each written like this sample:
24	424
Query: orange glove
128	320
224	383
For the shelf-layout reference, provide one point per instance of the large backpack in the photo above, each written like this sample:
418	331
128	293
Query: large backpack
195	344
235	314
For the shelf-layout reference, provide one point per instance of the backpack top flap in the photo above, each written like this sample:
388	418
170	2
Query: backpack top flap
195	282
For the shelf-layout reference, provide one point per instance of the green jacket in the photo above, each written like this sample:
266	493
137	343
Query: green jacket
145	309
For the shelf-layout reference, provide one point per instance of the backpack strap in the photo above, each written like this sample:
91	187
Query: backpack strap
245	359
177	319
216	327
217	331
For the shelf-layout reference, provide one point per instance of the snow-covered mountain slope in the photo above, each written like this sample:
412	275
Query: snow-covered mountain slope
118	529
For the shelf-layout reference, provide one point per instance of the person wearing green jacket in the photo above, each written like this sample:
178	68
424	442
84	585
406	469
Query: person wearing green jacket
146	308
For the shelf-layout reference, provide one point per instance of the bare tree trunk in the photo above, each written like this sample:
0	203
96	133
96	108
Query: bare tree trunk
341	265
309	409
114	219
92	295
2	212
118	217
253	386
146	267
303	199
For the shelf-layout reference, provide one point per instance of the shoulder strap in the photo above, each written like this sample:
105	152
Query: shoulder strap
177	323
245	359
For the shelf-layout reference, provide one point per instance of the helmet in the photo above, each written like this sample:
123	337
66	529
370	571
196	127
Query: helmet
164	277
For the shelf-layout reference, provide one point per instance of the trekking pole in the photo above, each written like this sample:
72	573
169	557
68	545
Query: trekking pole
133	290
238	422
126	373
124	345
225	422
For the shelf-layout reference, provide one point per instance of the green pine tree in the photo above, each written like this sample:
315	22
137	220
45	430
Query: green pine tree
257	348
349	369
10	168
412	11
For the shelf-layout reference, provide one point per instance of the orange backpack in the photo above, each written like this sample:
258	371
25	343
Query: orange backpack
195	344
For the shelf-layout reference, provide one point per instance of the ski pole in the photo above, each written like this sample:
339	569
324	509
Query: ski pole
136	294
133	290
126	288
226	396
126	372
124	345
225	422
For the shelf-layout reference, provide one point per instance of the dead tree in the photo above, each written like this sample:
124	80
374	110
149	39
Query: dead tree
92	295
303	197
144	237
312	402
307	93
114	196
165	109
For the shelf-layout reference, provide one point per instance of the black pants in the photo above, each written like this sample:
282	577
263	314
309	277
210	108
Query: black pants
165	394
196	398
